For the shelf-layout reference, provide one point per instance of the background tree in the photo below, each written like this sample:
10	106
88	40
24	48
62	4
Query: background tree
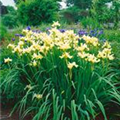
18	1
10	19
3	9
116	4
34	12
104	10
82	4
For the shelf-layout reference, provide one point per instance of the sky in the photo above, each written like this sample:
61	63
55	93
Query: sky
8	2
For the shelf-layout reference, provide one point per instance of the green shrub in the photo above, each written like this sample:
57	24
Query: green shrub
11	9
82	4
3	32
105	14
59	76
71	14
112	35
9	20
34	12
90	23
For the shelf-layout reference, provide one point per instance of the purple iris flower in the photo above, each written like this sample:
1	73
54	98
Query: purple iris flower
39	31
33	30
91	32
13	39
62	30
17	35
21	35
48	28
25	40
82	32
28	28
101	32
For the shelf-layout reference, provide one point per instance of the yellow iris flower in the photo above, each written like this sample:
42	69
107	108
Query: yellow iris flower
71	65
7	60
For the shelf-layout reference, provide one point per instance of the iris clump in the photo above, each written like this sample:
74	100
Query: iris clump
82	32
94	33
64	75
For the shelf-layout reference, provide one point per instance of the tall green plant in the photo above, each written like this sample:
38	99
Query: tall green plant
3	31
34	12
64	76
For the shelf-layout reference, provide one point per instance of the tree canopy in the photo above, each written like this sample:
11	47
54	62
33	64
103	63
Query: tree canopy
34	12
83	4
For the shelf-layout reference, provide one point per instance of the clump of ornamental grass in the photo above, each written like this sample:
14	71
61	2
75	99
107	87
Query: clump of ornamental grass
65	76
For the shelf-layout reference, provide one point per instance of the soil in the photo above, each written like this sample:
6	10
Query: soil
2	42
5	112
5	115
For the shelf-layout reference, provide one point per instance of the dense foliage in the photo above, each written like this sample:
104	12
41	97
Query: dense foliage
3	9
34	12
106	11
51	73
3	32
60	75
10	19
71	14
83	4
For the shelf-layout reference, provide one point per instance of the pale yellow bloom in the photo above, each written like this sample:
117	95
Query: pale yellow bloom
106	45
71	65
70	33
17	49
110	57
34	63
91	40
101	55
25	31
36	46
55	24
38	96
27	50
7	60
29	87
94	41
66	55
82	54
11	46
105	54
20	43
41	44
35	56
107	51
65	47
82	47
92	58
